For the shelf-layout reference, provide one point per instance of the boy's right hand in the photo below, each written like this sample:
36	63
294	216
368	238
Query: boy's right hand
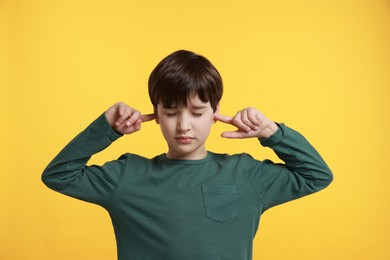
124	119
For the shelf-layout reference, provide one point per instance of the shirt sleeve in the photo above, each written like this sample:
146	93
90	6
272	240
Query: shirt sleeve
303	172
68	173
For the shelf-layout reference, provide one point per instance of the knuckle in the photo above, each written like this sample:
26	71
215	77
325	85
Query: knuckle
236	120
253	117
246	121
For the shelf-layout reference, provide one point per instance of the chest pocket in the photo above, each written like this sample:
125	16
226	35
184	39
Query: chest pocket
220	201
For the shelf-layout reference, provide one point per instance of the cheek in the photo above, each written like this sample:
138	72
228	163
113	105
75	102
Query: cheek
167	126
205	124
164	126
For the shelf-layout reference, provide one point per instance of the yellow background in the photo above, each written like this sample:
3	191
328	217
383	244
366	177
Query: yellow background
321	67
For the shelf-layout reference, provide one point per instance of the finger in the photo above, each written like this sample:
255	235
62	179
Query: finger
125	114
128	129
255	116
148	117
254	119
135	115
252	116
237	121
121	109
246	120
224	119
136	125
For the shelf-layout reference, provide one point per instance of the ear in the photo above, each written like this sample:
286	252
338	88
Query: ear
156	119
216	112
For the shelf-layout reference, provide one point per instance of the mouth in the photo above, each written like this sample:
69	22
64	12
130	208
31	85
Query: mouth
184	139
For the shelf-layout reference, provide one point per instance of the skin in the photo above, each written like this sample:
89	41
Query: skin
186	128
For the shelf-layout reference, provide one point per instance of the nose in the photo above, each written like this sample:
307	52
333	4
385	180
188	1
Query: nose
183	123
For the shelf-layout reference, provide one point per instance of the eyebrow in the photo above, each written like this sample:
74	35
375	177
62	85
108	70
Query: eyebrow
190	106
198	107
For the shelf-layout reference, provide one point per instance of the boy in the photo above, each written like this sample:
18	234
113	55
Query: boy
189	203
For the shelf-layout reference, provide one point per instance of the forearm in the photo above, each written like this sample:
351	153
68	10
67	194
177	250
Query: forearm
300	157
72	160
303	172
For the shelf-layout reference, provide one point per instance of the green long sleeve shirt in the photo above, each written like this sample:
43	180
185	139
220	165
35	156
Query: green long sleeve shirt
206	209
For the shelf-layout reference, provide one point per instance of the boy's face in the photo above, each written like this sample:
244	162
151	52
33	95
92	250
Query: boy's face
186	128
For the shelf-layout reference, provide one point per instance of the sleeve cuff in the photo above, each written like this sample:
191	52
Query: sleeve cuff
275	138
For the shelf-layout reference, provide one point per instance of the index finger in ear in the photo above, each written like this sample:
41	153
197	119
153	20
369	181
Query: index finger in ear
224	119
148	117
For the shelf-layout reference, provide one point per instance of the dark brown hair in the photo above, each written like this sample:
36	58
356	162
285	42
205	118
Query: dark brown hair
182	75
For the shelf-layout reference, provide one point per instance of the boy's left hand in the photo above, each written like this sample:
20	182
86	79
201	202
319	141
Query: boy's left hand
250	123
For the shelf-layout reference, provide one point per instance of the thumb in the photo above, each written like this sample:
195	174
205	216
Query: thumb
233	134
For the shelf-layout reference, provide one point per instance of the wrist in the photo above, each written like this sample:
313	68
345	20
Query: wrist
269	130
